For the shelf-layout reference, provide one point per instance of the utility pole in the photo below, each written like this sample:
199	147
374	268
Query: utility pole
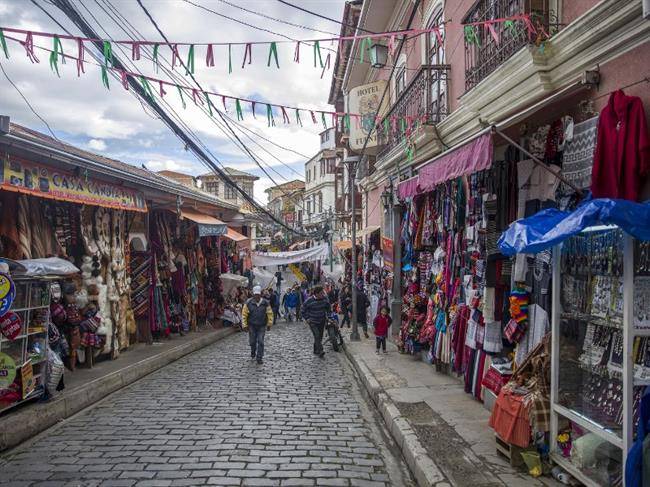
352	162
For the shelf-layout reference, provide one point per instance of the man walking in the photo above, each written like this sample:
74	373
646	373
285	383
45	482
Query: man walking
363	303
316	310
278	281
274	301
257	317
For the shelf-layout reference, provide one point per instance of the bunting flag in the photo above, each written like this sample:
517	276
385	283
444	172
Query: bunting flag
108	54
155	57
146	87
57	50
240	115
189	65
366	44
296	53
207	100
29	47
209	57
248	54
273	51
298	121
317	53
536	31
269	116
229	59
3	44
80	57
180	93
125	80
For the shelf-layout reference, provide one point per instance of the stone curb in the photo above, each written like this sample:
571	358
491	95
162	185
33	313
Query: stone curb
21	425
425	471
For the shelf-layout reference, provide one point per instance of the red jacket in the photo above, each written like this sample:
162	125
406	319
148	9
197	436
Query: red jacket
381	324
622	156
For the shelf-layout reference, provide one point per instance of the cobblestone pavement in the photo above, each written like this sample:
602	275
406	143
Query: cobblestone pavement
216	418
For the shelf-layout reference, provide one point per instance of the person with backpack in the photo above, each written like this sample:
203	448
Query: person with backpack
316	310
257	318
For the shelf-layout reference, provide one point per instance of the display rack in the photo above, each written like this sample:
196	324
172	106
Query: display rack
32	305
600	351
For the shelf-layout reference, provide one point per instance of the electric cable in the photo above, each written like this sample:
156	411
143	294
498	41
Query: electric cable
316	14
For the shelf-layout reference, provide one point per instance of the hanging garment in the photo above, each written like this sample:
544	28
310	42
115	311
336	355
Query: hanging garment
622	158
578	156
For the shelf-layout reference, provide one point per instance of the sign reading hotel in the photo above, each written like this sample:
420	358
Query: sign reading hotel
364	100
47	182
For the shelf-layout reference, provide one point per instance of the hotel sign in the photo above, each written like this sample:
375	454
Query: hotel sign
364	101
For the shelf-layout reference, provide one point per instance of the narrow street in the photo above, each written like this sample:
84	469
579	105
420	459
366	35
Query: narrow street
216	418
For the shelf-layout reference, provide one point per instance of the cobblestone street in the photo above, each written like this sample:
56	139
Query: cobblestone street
216	418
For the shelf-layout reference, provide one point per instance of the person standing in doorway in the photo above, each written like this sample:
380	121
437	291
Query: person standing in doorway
257	318
315	311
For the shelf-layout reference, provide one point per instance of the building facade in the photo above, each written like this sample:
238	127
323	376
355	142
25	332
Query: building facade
285	201
452	90
213	184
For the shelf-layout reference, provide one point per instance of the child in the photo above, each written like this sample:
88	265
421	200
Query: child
382	323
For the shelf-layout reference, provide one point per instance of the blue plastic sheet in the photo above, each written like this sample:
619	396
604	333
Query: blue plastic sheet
550	227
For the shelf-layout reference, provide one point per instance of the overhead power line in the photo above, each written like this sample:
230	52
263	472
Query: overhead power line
316	14
67	8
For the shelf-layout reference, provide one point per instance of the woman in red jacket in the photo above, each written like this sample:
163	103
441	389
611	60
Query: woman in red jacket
382	323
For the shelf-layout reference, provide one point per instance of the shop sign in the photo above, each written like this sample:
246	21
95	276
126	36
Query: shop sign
216	230
27	378
364	100
387	249
7	370
48	182
7	293
10	325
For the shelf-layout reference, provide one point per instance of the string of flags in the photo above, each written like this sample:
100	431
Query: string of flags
533	28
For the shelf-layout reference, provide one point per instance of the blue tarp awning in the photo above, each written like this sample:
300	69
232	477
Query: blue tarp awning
550	227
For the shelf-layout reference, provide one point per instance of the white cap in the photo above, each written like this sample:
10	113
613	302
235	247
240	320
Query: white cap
257	290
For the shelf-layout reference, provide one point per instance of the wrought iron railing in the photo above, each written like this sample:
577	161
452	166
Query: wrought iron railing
423	101
483	52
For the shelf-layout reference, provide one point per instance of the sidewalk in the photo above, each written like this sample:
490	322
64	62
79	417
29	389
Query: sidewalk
84	387
442	431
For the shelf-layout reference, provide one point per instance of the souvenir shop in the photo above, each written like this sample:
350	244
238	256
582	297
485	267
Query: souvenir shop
376	278
131	273
478	300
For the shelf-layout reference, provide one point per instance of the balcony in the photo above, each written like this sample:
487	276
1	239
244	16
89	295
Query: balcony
485	56
424	100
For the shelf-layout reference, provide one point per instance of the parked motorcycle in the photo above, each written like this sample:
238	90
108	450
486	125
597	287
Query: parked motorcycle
334	333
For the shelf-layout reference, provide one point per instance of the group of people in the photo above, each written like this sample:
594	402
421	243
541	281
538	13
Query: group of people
315	306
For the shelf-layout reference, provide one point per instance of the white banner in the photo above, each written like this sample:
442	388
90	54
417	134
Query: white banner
320	252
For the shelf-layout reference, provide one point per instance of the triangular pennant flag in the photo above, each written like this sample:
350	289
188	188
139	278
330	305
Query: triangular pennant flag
273	50
3	44
296	53
529	26
146	86
253	109
298	121
490	27
108	54
29	48
135	51
209	57
155	56
189	65
207	100
317	54
313	116
180	93
240	115
391	45
161	86
223	102
366	43
285	117
346	122
57	49
124	79
441	42
470	35
248	54
194	93
80	56
511	26
229	59
326	66
175	55
269	115
322	117
105	77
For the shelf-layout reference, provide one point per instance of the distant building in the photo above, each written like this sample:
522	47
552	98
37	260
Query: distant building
215	185
285	201
185	179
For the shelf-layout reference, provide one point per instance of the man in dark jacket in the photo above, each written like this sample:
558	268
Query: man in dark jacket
363	303
345	303
257	317
315	311
278	282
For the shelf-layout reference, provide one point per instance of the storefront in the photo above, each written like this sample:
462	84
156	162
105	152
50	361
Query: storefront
486	316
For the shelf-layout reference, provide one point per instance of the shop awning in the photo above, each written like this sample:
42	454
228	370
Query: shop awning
475	155
408	188
298	245
343	244
234	235
550	227
368	230
209	226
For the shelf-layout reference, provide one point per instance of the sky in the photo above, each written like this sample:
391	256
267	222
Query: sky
81	111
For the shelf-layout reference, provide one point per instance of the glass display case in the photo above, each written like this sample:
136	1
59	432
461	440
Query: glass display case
600	351
28	351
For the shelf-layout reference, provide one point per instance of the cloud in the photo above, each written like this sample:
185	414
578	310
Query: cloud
97	144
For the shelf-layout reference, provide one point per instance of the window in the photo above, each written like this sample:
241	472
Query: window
322	167
324	137
400	79
320	202
229	192
248	188
212	187
436	56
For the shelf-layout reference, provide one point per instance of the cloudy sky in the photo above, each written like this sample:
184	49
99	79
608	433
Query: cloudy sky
112	122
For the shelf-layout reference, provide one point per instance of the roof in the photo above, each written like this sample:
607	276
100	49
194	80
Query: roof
231	171
299	182
112	167
174	174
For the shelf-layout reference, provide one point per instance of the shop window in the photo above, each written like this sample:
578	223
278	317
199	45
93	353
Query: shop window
230	193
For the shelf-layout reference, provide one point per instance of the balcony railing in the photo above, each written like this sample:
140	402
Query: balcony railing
485	54
423	101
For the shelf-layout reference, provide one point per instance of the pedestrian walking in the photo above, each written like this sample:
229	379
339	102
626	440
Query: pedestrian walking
363	303
257	318
278	282
274	301
316	310
291	302
345	304
381	324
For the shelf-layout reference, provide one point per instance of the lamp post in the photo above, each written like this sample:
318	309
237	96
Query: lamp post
391	203
352	162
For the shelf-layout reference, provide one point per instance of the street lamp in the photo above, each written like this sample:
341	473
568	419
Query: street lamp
352	163
378	55
387	197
